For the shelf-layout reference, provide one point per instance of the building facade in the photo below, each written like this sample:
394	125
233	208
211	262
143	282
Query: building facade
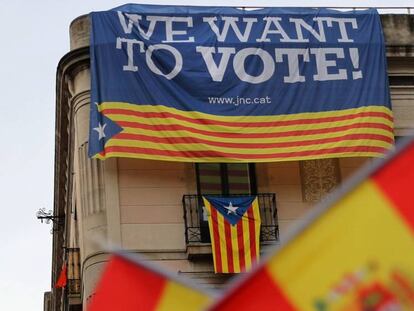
153	207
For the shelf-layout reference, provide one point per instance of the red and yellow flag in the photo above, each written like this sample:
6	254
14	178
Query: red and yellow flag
126	285
63	278
158	132
357	255
234	224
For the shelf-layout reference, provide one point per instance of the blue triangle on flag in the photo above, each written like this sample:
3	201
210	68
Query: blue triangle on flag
101	130
232	208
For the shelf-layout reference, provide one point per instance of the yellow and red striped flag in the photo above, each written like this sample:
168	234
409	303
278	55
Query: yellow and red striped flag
234	224
158	132
129	285
358	254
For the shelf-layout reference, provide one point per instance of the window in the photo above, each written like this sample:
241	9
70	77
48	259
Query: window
226	178
223	179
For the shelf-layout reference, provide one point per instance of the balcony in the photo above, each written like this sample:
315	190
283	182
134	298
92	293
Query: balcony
73	288
196	224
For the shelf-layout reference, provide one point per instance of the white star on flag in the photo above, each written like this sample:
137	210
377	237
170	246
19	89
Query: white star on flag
231	209
100	129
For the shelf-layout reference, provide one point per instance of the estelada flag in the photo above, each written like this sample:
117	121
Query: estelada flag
355	252
234	224
62	280
127	284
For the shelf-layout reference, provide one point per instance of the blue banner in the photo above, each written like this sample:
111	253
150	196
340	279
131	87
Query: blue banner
197	72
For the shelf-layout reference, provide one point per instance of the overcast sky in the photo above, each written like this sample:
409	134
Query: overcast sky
34	36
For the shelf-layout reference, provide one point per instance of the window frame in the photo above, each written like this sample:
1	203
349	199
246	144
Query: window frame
225	190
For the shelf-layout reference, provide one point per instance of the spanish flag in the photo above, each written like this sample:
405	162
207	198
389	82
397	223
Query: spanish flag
358	254
234	224
128	285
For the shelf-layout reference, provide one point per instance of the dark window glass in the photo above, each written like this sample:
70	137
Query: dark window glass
401	80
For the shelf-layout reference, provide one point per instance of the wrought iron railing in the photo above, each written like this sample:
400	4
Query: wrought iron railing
196	224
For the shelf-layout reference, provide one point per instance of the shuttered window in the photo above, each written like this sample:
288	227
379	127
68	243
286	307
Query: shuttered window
225	178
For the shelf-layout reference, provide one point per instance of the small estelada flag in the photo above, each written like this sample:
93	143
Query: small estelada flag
63	278
234	224
127	284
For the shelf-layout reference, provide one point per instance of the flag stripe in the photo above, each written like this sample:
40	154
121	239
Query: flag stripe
401	193
211	155
240	145
229	246
235	248
213	225
252	151
240	241
251	123
326	129
246	241
282	134
223	244
252	232
257	223
231	119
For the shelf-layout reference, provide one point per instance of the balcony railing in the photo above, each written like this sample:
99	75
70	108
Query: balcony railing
196	224
74	272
